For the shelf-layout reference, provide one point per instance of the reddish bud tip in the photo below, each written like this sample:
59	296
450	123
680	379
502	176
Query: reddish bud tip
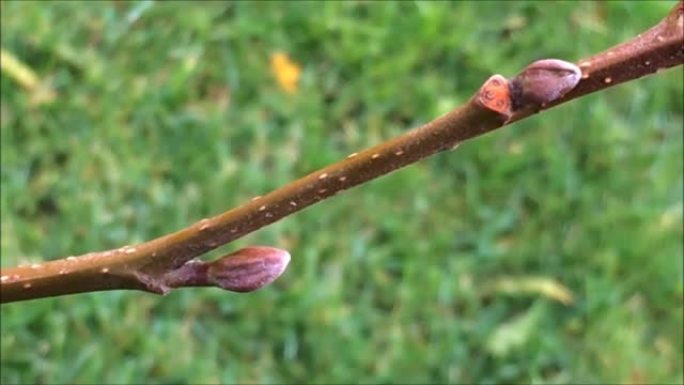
248	269
495	95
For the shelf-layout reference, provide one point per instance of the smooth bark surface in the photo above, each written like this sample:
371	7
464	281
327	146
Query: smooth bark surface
149	265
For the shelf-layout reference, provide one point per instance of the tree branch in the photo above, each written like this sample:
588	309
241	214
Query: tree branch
164	263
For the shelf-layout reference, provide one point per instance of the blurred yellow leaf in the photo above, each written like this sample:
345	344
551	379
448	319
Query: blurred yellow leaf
286	72
547	287
18	71
26	78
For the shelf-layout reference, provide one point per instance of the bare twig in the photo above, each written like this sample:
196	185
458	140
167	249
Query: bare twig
156	266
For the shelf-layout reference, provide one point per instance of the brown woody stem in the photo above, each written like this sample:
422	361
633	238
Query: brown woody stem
148	266
652	51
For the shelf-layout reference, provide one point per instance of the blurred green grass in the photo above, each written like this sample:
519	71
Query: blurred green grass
167	112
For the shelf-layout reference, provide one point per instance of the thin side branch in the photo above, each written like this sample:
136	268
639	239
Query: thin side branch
149	265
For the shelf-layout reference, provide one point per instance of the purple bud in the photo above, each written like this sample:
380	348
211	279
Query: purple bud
544	81
248	269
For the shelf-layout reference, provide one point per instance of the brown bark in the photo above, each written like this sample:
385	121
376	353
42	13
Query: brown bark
149	265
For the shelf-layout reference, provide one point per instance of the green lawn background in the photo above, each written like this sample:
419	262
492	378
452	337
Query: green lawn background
168	112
